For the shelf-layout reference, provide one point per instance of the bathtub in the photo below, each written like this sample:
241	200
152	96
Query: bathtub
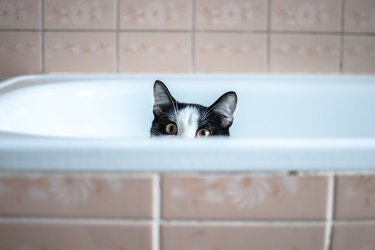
89	122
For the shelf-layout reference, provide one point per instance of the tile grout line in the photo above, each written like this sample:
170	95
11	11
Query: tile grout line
330	211
268	36
42	38
156	189
192	35
342	32
117	37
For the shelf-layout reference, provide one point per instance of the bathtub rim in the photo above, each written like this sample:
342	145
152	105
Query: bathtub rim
179	155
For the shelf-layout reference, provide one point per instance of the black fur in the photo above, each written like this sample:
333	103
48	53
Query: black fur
211	118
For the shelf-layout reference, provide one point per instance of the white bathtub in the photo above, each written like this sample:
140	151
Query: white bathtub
102	122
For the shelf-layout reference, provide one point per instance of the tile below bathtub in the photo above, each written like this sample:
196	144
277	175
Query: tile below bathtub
19	53
355	197
74	236
353	237
244	197
230	53
305	53
104	196
79	51
359	54
262	237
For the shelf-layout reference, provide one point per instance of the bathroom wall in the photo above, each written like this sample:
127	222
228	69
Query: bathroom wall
328	36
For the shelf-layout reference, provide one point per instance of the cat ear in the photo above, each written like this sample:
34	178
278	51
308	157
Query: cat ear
225	106
162	96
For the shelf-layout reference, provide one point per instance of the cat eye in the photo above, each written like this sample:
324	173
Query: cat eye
203	132
171	129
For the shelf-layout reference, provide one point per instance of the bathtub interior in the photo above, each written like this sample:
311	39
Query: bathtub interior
269	106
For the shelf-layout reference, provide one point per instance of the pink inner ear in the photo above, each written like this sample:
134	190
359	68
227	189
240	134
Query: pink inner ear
157	110
226	122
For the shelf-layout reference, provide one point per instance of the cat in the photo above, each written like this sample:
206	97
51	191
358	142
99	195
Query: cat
191	120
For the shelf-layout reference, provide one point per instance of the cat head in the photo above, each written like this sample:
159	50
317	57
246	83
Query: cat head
191	120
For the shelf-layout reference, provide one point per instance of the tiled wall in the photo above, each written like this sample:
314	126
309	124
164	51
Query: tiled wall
329	36
187	212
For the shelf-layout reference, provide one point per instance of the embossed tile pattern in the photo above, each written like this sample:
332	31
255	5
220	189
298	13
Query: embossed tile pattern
353	237
159	52
359	55
243	197
230	52
242	237
151	14
306	15
19	53
19	14
231	15
76	195
79	14
67	51
74	236
355	197
360	15
305	53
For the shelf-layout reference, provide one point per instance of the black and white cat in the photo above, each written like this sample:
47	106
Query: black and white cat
191	120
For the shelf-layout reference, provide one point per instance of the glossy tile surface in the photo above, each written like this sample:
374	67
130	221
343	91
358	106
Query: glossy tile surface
305	53
230	53
151	14
243	197
19	53
359	55
66	51
306	15
154	52
79	14
19	14
355	197
242	237
360	15
76	195
353	237
231	15
74	236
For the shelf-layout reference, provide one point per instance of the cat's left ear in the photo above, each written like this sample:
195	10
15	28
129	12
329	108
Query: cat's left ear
162	97
225	106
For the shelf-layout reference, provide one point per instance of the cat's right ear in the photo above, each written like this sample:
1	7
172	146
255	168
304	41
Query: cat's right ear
162	97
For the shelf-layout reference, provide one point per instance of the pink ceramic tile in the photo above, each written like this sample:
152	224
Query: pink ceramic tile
355	198
262	237
359	54
154	52
153	14
79	51
74	236
231	15
306	15
19	14
79	14
230	53
353	237
76	195
244	197
360	15
305	53
19	53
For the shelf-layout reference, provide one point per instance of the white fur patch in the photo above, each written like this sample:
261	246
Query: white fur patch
187	122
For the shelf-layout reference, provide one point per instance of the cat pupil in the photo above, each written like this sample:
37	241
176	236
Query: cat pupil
184	119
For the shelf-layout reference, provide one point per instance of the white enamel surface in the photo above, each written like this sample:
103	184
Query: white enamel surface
101	122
